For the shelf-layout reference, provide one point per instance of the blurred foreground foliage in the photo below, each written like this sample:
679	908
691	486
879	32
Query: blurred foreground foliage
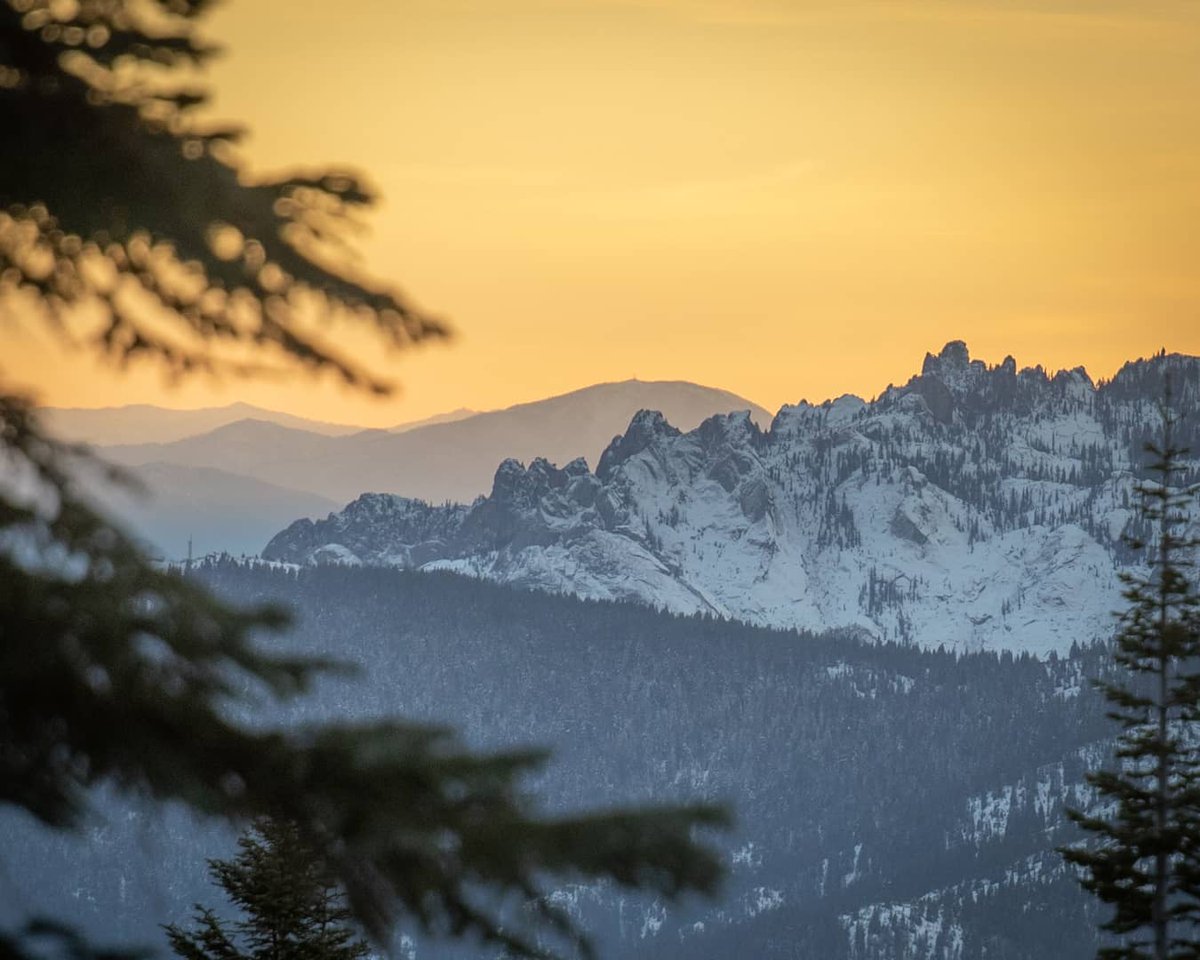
118	206
126	215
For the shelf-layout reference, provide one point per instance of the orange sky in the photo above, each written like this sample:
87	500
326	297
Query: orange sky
785	198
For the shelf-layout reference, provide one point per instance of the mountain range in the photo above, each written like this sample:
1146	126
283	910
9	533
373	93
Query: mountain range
974	507
213	484
147	423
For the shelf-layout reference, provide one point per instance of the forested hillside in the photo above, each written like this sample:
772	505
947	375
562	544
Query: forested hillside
890	801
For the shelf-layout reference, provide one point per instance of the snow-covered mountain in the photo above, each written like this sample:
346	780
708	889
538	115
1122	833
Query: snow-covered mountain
977	507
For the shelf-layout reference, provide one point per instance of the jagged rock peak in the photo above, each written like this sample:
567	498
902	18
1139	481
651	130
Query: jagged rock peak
953	356
645	427
844	408
380	504
1148	376
735	427
514	482
952	384
954	367
577	468
509	474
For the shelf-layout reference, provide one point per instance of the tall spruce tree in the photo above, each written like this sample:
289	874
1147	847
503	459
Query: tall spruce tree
292	907
1147	824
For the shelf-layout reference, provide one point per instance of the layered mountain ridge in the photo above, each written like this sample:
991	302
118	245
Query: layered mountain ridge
452	459
976	506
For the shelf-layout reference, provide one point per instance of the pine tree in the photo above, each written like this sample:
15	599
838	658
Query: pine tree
1145	862
292	906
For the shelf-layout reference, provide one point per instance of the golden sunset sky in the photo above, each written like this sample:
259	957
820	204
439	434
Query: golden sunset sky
785	198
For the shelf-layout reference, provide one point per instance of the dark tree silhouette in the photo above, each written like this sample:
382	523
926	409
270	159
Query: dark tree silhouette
115	671
291	906
114	195
1144	863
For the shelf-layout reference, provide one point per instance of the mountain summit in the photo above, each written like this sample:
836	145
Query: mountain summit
977	507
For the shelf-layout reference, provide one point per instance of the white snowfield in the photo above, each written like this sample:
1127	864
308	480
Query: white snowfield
976	507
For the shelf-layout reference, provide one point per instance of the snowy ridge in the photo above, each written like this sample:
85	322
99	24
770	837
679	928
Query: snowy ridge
974	507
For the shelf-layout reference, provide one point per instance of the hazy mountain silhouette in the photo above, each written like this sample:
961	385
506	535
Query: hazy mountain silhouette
218	511
449	417
146	423
443	461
